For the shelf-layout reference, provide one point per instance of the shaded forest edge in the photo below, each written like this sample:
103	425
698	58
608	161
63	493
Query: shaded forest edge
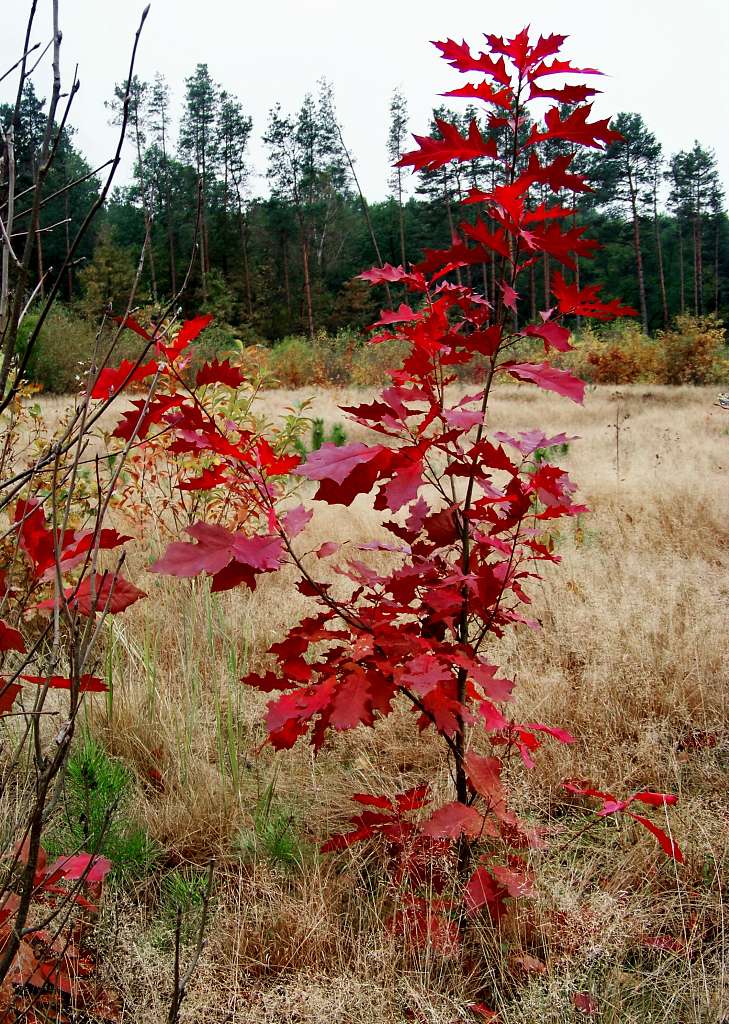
279	272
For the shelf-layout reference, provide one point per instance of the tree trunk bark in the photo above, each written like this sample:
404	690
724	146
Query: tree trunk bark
69	269
694	232
716	266
307	285
682	275
639	261
243	228
659	254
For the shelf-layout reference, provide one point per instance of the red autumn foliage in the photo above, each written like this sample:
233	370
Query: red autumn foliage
467	516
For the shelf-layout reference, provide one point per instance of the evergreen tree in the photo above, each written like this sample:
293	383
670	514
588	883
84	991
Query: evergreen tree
233	131
198	143
696	194
159	163
138	112
396	146
623	177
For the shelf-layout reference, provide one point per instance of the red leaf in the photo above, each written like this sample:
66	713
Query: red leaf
345	471
84	542
215	549
483	890
110	594
421	923
452	821
36	540
485	676
403	314
266	683
484	774
73	868
87	683
511	297
529	440
558	734
389	274
210	554
374	801
296	520
8	693
136	421
341	842
575	128
351	702
493	719
528	964
656	799
484	1012
459	56
563	245
112	380
435	153
665	943
407	480
11	639
220	373
133	325
553	335
668	845
560	67
567	94
554	175
187	333
495	240
548	378
412	799
583	1001
517	882
208	479
483	91
584	302
582	788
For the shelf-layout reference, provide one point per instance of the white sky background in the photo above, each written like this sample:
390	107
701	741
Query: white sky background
665	59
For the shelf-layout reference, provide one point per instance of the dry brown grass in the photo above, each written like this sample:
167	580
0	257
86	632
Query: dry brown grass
633	659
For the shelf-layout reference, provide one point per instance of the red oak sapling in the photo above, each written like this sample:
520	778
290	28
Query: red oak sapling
468	512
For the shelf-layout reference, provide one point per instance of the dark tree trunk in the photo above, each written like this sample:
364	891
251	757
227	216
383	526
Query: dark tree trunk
659	255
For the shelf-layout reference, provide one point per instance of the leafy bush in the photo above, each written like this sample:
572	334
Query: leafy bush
692	349
64	350
692	352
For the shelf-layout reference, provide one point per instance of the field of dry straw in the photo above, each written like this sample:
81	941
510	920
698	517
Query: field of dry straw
633	659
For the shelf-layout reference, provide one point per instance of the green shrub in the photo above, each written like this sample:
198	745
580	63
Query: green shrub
692	351
65	347
94	817
337	435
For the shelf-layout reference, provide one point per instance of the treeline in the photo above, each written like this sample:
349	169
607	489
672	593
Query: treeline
286	263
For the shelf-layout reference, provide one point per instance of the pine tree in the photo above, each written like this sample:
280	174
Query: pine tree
696	193
138	111
396	144
623	177
198	143
158	111
233	131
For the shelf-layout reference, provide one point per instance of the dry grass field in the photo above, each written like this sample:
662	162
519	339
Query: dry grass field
633	659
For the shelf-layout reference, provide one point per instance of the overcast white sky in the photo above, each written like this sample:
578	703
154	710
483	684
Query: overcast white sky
667	59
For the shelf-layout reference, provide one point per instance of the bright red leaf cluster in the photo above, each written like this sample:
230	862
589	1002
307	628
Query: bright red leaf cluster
468	511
